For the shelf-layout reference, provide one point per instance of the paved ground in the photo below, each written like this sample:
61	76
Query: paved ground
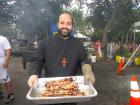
112	89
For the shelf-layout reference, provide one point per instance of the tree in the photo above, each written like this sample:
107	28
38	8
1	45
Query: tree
102	15
5	12
112	17
6	17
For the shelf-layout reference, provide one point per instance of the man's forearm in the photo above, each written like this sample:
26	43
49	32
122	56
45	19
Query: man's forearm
36	68
8	54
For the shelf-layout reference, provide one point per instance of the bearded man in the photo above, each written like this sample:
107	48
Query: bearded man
61	54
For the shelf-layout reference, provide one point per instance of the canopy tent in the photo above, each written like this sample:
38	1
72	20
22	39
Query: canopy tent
79	35
136	26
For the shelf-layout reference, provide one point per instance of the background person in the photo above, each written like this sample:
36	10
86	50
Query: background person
5	51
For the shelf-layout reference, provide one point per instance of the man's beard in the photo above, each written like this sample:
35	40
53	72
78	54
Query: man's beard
64	33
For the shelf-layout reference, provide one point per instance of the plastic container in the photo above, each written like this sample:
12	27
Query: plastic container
137	61
93	59
118	58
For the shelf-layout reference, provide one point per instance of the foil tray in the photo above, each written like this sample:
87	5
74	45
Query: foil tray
88	89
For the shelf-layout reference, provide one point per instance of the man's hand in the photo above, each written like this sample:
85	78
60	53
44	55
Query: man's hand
32	81
88	74
5	65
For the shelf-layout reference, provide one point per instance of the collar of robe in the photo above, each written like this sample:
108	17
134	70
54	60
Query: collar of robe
63	37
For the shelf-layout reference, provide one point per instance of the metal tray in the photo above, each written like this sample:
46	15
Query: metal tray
89	90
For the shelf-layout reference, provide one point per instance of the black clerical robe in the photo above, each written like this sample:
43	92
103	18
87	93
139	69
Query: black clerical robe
60	57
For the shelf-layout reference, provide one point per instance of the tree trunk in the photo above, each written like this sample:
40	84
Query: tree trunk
126	41
122	40
107	27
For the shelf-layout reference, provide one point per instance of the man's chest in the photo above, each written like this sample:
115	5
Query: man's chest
63	52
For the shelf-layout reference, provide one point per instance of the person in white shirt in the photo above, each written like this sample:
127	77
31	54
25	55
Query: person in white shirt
110	51
35	44
5	51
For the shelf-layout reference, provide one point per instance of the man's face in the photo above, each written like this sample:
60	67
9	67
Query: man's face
64	25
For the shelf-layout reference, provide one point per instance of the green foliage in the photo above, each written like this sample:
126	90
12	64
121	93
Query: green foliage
97	34
6	30
100	12
6	18
123	20
78	18
127	53
5	12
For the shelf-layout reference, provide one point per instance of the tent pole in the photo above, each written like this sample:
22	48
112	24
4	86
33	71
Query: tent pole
134	41
131	57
